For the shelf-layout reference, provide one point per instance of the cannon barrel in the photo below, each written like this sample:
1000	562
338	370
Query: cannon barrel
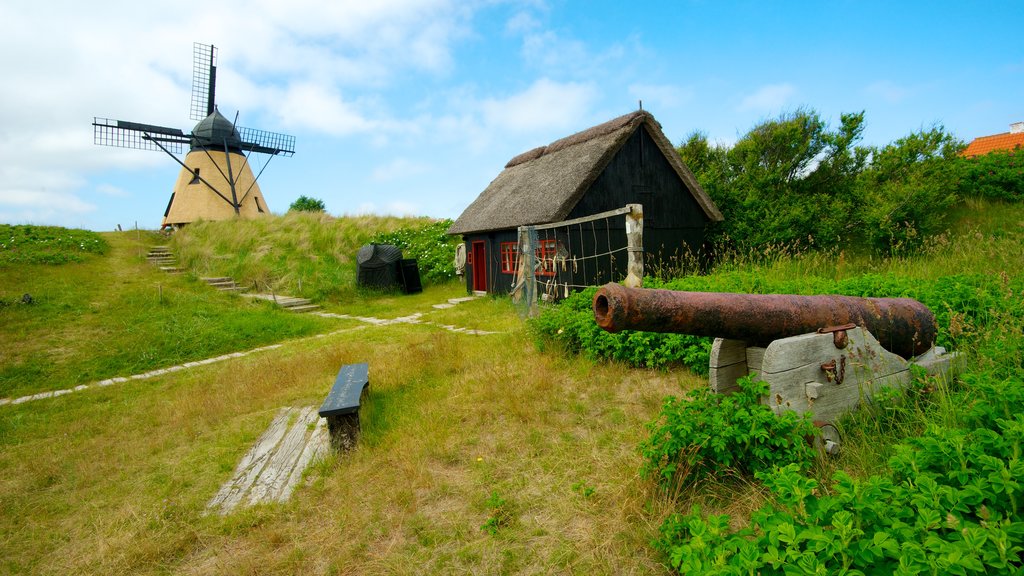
903	326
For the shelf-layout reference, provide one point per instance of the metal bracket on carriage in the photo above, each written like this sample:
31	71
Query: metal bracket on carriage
839	337
831	374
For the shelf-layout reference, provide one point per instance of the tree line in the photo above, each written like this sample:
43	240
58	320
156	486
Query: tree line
796	182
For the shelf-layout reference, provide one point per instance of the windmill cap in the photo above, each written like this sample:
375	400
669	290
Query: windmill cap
214	131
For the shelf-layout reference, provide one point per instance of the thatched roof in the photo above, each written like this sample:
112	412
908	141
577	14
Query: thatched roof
544	184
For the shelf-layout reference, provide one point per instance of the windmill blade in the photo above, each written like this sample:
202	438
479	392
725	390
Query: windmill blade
204	80
266	142
122	134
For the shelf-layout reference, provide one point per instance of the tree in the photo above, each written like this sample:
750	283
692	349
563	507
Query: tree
307	204
788	181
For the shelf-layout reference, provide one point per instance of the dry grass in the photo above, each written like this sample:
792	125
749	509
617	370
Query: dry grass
115	480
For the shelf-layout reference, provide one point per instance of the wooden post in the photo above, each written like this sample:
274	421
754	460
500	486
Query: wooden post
634	246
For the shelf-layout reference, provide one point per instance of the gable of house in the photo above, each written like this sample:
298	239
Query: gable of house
544	184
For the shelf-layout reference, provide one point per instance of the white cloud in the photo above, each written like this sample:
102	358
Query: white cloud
769	98
42	206
114	191
888	91
544	106
521	22
319	108
399	169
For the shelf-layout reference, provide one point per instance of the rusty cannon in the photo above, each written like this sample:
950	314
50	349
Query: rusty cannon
822	354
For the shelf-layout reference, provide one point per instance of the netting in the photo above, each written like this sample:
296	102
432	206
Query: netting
553	260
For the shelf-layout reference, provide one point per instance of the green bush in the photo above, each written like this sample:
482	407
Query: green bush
952	503
570	324
28	244
431	246
995	176
707	434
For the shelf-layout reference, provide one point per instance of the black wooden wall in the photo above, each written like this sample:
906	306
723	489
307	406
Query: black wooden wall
638	174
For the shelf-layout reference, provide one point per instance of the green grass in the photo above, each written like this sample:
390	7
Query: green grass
115	480
117	315
300	254
26	244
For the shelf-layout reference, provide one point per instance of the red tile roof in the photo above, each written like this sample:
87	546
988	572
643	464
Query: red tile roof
986	144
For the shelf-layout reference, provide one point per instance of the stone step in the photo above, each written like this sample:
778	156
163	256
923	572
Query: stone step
171	269
214	279
230	288
303	308
222	283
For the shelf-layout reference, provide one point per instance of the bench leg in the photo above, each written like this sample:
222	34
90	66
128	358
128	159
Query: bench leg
344	431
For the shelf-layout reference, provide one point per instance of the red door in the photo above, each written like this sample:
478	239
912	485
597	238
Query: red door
479	266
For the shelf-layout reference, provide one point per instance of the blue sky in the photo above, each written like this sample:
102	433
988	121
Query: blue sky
413	107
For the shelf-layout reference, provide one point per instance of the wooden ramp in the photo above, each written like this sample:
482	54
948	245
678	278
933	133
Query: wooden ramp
274	466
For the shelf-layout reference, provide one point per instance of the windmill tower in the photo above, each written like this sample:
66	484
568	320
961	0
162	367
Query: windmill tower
216	181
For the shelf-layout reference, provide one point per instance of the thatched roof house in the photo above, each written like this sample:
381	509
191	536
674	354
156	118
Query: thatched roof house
625	160
544	184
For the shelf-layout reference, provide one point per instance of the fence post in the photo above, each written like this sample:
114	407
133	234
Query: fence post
634	246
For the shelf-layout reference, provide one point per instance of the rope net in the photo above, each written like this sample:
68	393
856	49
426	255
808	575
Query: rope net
554	260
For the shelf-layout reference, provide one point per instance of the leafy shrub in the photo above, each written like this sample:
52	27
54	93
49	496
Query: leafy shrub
908	190
28	244
709	433
570	324
997	176
951	504
307	204
430	245
501	514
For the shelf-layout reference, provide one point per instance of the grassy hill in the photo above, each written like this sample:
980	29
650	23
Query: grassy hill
479	454
308	254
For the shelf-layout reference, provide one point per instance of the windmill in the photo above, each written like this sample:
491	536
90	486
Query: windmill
216	181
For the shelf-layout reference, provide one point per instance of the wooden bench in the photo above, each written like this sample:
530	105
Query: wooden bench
341	408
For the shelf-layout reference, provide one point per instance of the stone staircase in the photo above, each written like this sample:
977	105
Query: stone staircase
162	257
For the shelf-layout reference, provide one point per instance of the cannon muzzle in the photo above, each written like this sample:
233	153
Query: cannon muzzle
902	326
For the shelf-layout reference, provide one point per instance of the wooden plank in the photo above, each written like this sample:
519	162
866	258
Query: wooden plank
755	358
316	448
723	379
581	220
793	367
634	246
281	462
248	470
725	352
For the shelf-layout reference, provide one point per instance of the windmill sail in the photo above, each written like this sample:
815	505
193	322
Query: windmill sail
204	80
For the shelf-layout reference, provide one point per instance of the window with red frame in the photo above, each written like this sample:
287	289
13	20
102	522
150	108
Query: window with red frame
546	257
509	255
